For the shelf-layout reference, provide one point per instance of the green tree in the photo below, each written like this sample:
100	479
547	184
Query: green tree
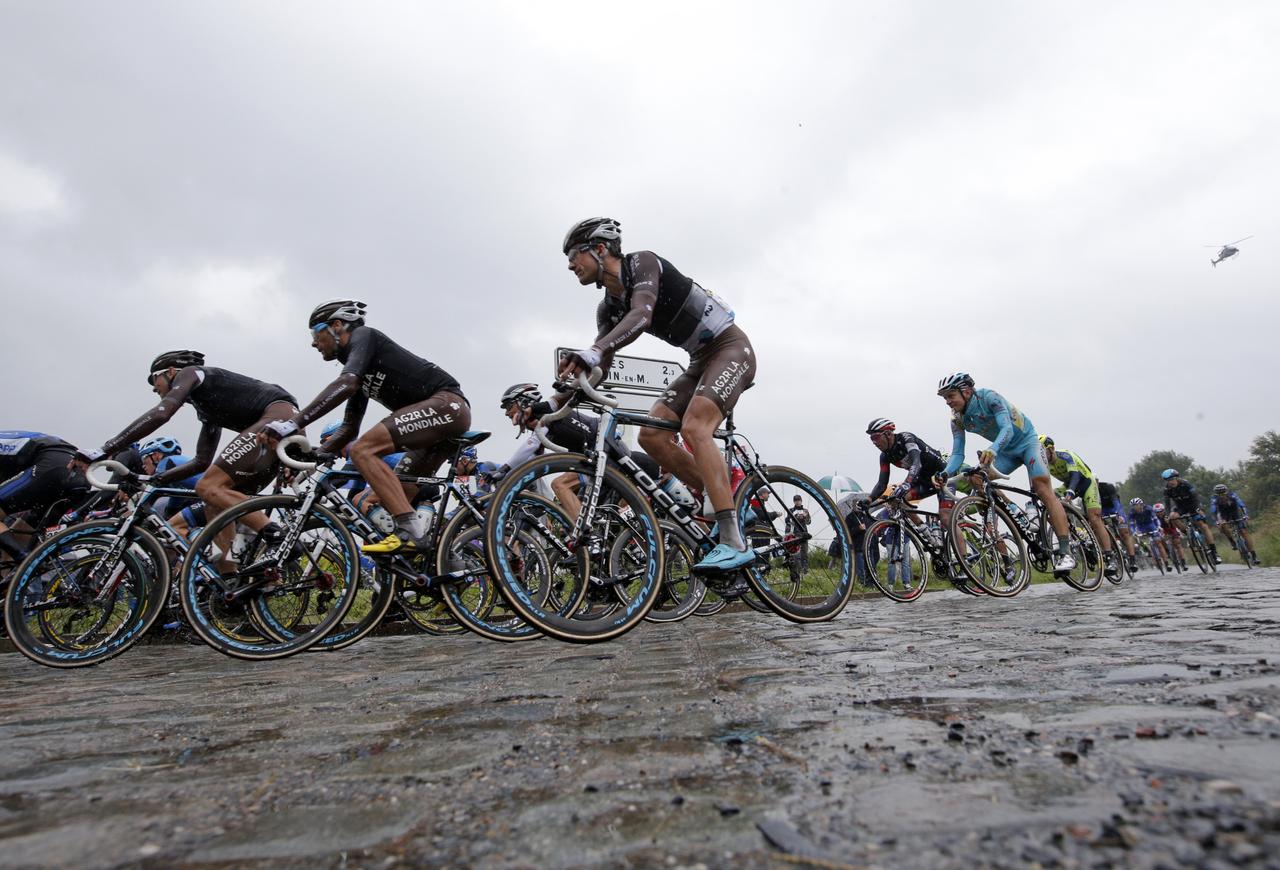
1144	479
1261	483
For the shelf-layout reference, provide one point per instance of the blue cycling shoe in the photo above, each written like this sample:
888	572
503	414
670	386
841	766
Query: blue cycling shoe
725	558
747	521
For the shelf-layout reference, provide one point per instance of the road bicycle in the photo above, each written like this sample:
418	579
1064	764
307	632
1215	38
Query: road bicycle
611	477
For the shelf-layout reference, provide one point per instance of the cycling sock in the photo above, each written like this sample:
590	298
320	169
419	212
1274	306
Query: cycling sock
10	544
730	534
410	526
1064	545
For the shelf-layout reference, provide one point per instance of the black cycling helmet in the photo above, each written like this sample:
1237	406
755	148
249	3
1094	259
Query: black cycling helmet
174	359
591	230
350	310
1220	488
524	395
880	424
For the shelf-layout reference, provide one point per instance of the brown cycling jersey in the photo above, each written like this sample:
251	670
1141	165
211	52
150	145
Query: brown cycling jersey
661	301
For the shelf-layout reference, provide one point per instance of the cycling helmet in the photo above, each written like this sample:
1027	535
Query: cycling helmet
350	310
1046	442
167	446
1158	507
174	359
1220	488
1169	473
1136	502
596	229
329	430
468	453
879	425
524	395
954	381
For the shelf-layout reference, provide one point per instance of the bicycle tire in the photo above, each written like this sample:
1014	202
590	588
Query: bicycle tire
334	542
27	595
911	559
364	615
682	591
1087	575
986	548
823	593
502	561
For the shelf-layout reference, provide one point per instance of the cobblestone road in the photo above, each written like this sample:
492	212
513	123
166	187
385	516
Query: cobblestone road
1132	726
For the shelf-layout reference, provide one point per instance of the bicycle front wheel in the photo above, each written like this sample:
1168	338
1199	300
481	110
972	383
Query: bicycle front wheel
798	582
989	547
895	559
67	608
623	507
1086	576
294	600
682	591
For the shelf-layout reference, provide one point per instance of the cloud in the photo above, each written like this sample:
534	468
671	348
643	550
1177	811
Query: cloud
29	194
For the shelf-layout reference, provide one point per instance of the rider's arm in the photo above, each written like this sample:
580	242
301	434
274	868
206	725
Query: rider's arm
1077	482
185	381
360	350
647	273
914	464
206	450
528	449
1000	408
1213	506
957	448
883	480
1244	511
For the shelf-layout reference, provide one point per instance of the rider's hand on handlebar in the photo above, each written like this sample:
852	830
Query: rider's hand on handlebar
986	457
580	361
276	430
1068	495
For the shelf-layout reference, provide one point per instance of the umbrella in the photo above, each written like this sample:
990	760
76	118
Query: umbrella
839	483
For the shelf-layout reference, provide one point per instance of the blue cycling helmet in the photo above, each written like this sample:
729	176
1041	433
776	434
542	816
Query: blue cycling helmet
1169	473
329	430
468	453
167	446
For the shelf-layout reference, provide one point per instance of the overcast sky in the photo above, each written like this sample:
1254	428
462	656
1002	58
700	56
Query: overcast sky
885	193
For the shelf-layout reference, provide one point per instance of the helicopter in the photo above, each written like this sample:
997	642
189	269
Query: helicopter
1228	250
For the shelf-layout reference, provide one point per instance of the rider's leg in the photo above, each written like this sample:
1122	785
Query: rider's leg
566	489
697	428
366	454
662	445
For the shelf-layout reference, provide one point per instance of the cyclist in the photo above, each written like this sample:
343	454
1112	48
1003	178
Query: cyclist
161	454
33	468
1186	504
1143	520
223	400
922	463
1111	507
646	293
1227	507
1171	533
1074	472
576	431
1013	443
428	411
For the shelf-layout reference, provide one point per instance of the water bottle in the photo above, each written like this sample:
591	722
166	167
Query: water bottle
679	492
426	515
382	519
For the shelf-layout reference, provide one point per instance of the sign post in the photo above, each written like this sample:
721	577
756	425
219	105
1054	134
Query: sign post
635	381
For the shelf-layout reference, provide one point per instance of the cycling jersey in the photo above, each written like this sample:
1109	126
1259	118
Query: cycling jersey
375	367
169	462
672	307
222	399
18	449
575	432
1184	498
907	451
1010	432
1145	521
1072	470
1228	507
1111	505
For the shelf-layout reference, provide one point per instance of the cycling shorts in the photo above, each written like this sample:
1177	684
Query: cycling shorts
721	371
1091	497
924	488
1029	453
249	464
421	427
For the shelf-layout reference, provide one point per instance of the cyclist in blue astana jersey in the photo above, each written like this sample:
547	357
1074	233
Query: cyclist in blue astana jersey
1014	442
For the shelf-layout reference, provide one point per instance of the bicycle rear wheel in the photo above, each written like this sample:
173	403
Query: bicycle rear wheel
294	601
1086	576
896	560
682	592
628	509
374	597
813	591
61	613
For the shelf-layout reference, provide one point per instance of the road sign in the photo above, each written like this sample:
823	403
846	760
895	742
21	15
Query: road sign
634	375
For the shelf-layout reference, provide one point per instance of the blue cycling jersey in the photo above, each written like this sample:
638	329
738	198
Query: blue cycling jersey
173	461
993	417
1144	521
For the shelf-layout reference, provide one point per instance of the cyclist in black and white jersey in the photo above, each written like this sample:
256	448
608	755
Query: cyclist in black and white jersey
33	475
427	408
222	400
921	461
576	431
646	293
